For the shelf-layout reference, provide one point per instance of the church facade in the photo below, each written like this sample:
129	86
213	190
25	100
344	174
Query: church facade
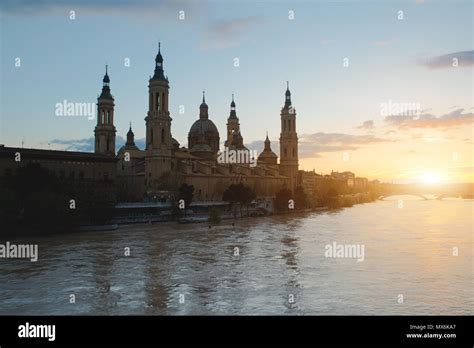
164	164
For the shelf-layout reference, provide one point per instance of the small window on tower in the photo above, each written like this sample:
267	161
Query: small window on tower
162	135
285	151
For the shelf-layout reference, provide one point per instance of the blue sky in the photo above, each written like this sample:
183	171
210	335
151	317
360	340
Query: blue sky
389	59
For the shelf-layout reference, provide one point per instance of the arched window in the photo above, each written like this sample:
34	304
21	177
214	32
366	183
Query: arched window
162	135
284	151
164	101
158	101
294	152
284	125
108	144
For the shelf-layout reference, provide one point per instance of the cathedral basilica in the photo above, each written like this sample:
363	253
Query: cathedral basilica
132	174
163	163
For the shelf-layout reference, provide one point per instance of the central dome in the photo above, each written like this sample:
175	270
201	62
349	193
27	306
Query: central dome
203	137
203	126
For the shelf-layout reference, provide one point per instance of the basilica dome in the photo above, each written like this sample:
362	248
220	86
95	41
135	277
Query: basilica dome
203	137
203	126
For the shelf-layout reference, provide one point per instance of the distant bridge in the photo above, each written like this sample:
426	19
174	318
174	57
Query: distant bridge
381	198
436	197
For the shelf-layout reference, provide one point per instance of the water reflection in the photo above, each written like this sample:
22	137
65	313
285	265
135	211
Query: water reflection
257	266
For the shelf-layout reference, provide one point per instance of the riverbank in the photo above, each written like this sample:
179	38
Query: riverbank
344	201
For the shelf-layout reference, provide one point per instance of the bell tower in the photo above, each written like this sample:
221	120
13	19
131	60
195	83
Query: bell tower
105	130
233	125
158	126
289	142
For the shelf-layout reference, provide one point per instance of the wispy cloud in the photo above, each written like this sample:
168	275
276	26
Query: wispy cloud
87	144
82	145
463	59
452	119
156	8
367	125
311	145
229	33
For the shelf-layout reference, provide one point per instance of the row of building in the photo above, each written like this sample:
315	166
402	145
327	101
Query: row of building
142	174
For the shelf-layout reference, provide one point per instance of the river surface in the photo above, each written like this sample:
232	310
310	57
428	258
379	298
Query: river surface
279	267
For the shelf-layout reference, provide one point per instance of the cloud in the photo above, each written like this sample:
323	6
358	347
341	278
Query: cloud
229	33
82	145
258	145
464	59
367	125
87	144
312	145
155	8
452	119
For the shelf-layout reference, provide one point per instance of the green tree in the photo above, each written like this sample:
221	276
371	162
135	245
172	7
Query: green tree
245	197
231	195
239	193
186	193
282	199
301	199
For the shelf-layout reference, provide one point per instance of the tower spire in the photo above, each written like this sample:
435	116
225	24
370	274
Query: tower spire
233	113
267	143
287	95
203	113
106	85
130	137
159	74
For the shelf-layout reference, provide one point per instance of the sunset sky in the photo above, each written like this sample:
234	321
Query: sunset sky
425	59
